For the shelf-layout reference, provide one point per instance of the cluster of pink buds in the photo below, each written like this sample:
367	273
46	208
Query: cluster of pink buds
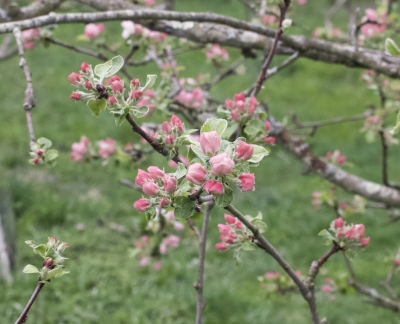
41	153
30	37
79	149
221	165
241	107
170	131
107	148
171	241
93	30
329	288
156	184
327	33
336	157
138	31
374	23
143	248
215	52
233	233
194	98
266	138
349	235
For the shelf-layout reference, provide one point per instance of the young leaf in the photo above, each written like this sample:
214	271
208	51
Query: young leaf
254	126
180	171
151	79
51	155
109	68
139	112
30	269
258	154
97	105
214	124
225	199
397	127
391	47
184	207
43	141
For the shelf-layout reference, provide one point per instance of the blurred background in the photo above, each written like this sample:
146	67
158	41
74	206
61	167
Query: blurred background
84	204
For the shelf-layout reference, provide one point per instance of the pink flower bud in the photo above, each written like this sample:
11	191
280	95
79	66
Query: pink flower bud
338	223
341	159
137	94
175	121
214	187
269	139
75	95
244	151
88	85
229	219
117	86
210	142
114	78
252	105
84	67
163	202
74	78
326	288
220	246
224	229
241	106
196	174
222	164
169	139
142	177
239	97
39	152
351	233
155	172
364	241
112	100
328	155
229	104
234	115
93	30
166	127
172	241
247	181
141	204
135	83
150	189
169	183
267	126
35	160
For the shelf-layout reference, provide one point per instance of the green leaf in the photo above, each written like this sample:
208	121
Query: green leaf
139	112
97	105
184	207
391	47
30	269
119	118
51	155
327	237
258	154
196	150
41	250
43	141
229	131
56	272
109	68
214	124
397	127
248	246
150	213
225	199
254	126
151	79
180	171
262	227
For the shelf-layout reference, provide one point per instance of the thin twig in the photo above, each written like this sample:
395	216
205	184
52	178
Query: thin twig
271	72
257	87
386	283
384	158
29	101
200	279
22	318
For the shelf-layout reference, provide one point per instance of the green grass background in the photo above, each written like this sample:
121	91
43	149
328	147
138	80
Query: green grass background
106	285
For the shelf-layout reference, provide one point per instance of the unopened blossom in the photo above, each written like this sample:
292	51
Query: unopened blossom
107	147
269	139
117	86
196	173
253	103
214	187
378	25
84	67
176	122
232	233
75	95
142	177
163	202
172	241
155	172
166	127
74	78
150	189
247	181
210	142
222	164
184	160
129	28
79	149
169	183
112	100
29	37
338	223
217	52
244	151
136	94
141	204
93	30
88	85
169	139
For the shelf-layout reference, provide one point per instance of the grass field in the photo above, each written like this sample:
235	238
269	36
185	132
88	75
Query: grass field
106	285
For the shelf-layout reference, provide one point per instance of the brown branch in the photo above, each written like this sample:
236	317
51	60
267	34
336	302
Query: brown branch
23	317
387	286
29	101
36	8
269	248
200	280
384	159
262	77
